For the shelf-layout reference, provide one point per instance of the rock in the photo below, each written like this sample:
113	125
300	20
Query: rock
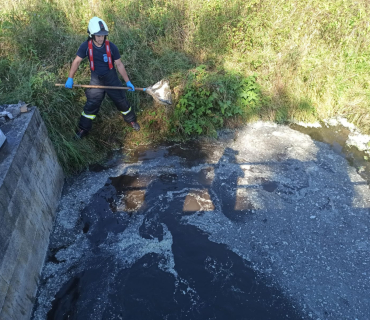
14	110
6	114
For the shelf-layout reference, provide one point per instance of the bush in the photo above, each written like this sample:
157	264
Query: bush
210	98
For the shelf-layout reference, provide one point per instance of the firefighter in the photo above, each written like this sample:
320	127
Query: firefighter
102	54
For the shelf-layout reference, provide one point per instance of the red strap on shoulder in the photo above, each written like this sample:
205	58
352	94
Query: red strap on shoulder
109	54
91	55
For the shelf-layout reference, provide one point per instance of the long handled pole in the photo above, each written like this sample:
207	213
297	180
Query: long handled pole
160	91
99	87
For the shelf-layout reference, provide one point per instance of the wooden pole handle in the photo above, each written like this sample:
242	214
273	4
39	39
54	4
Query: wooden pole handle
99	87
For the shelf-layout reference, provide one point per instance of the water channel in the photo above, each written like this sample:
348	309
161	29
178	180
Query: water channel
227	229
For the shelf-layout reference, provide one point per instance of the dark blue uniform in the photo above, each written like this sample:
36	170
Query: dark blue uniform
104	77
100	56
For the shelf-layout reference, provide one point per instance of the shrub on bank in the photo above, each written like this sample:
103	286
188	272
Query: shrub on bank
227	61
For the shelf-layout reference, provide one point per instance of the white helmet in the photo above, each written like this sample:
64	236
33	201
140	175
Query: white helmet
97	27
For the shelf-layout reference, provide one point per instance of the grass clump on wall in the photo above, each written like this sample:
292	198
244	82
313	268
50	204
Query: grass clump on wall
227	61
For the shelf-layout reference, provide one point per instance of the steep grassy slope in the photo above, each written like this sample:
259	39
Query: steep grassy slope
227	61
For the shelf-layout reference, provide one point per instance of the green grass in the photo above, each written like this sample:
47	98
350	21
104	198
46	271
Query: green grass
228	62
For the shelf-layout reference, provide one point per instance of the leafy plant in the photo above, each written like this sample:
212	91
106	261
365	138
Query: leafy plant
210	97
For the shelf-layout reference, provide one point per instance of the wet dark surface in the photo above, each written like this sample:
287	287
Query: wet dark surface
175	234
192	152
211	281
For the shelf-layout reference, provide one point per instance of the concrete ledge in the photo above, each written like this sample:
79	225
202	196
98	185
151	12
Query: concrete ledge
31	182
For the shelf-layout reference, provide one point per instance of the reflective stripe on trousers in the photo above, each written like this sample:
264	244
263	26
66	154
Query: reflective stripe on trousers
126	112
95	97
90	116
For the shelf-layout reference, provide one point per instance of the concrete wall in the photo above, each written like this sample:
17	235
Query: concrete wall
31	182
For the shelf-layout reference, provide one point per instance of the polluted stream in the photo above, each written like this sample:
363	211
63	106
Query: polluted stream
262	223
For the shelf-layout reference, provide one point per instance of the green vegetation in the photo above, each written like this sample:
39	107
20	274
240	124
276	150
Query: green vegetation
211	98
228	62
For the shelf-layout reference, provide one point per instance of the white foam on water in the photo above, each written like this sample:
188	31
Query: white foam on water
128	246
360	141
57	274
308	125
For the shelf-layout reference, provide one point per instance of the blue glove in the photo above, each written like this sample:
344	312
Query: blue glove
130	85
69	83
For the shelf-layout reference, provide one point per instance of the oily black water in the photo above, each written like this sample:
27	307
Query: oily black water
169	238
208	281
